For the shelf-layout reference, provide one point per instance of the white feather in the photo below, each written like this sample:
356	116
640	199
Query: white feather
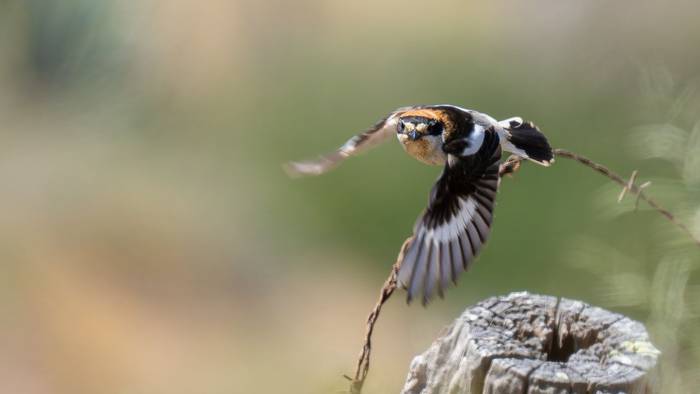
451	229
475	139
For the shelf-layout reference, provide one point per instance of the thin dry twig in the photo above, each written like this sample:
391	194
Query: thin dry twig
508	167
387	289
629	186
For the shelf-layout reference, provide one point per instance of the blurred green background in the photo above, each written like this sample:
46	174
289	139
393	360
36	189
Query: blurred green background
151	243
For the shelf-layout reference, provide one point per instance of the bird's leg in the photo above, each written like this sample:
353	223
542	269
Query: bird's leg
510	166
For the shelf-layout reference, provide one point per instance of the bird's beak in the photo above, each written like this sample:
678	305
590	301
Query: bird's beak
414	135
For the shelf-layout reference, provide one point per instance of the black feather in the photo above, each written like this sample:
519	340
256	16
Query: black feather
530	139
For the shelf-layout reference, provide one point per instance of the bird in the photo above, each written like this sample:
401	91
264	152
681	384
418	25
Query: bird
452	230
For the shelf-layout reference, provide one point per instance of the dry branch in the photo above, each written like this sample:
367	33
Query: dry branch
629	186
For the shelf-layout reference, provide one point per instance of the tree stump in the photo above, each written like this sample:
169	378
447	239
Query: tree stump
525	343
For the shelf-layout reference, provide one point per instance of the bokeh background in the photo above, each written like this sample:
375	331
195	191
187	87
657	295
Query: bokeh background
150	242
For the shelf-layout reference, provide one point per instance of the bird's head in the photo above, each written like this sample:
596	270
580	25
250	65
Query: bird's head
421	134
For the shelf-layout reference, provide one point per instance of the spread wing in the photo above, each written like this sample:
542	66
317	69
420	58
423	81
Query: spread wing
452	230
377	134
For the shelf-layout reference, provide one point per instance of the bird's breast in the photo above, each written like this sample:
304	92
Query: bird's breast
426	150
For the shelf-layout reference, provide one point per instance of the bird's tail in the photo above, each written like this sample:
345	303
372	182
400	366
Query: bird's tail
527	141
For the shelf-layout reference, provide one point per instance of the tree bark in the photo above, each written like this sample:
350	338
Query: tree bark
524	343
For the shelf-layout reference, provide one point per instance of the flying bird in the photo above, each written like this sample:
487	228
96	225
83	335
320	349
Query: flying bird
452	230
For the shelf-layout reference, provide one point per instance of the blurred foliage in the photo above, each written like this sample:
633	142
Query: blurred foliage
662	283
151	242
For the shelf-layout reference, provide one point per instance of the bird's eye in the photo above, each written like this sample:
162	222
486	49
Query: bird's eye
435	128
400	126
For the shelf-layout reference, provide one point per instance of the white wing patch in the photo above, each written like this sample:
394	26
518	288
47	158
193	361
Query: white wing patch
438	255
475	139
451	230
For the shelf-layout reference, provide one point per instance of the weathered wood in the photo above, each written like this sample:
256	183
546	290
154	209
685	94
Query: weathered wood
524	343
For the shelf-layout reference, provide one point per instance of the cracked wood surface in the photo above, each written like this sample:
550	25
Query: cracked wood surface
524	343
